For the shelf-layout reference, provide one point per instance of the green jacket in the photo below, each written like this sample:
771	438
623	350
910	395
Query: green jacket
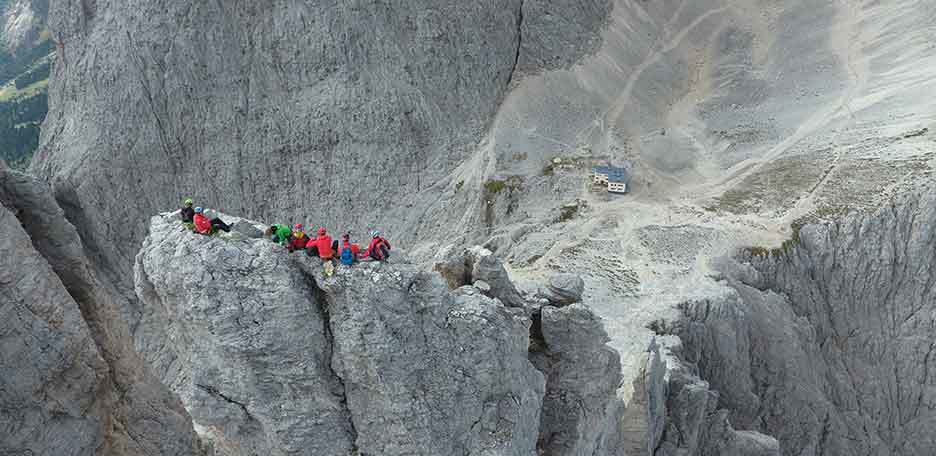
281	233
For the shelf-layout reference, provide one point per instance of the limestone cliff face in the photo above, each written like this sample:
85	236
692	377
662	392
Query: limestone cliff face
70	381
829	347
341	113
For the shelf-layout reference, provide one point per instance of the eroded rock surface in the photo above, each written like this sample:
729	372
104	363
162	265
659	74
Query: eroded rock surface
70	381
581	412
828	346
272	356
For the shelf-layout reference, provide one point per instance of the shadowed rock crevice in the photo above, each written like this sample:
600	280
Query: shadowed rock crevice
321	300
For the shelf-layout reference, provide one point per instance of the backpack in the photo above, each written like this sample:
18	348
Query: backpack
347	256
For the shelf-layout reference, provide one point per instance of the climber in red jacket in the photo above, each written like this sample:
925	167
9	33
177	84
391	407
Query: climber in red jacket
202	224
322	243
379	248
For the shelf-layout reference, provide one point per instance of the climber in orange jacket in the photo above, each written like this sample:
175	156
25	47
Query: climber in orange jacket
322	243
298	240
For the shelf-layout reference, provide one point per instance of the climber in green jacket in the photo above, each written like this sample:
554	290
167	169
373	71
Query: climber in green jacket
279	233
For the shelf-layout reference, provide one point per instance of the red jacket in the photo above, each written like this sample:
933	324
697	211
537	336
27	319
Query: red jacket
373	250
324	246
202	224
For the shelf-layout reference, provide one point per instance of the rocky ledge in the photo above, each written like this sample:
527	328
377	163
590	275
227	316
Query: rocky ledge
270	356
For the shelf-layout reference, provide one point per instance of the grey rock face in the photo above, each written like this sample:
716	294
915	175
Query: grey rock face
477	264
563	289
695	425
272	356
51	372
675	413
71	382
557	33
580	409
239	335
828	346
247	229
333	114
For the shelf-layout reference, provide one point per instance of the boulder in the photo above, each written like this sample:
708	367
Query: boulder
247	229
487	267
460	266
563	289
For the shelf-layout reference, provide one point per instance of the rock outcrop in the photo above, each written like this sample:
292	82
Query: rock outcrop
828	346
581	412
563	289
459	267
270	355
70	381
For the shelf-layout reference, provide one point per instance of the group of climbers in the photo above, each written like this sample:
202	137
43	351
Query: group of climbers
295	238
197	221
326	248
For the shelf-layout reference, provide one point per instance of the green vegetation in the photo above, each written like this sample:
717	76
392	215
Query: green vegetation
569	211
11	92
494	187
20	118
40	73
822	214
777	185
660	327
757	251
24	80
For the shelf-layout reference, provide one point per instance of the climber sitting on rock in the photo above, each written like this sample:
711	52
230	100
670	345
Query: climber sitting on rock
298	239
279	233
187	212
204	225
348	252
323	244
379	248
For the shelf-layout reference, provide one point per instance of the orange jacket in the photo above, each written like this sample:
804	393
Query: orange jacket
298	242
